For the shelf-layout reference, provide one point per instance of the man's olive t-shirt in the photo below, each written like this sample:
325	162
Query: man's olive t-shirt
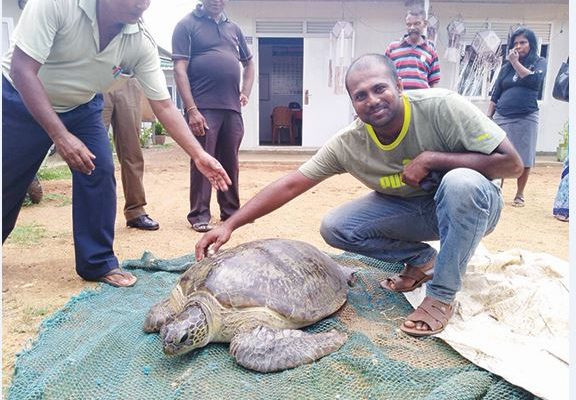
434	120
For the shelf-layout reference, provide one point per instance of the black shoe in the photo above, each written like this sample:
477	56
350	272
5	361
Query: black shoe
143	222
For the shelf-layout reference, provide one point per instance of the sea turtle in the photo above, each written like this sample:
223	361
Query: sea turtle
256	296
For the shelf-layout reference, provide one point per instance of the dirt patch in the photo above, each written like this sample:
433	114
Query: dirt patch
39	277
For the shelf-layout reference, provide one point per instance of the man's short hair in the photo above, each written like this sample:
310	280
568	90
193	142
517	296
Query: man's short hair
368	60
417	12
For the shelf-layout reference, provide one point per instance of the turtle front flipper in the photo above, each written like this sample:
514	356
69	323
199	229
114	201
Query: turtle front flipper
265	349
158	315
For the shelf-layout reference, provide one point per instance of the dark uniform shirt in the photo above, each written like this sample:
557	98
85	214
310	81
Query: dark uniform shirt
515	96
214	51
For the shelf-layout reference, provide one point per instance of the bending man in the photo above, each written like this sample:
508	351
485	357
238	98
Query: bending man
63	54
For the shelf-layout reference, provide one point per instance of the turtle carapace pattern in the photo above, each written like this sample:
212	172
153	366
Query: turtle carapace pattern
256	296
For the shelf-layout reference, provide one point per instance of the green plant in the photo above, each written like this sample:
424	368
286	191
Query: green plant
159	129
60	199
54	173
562	149
27	235
111	140
145	137
35	312
564	134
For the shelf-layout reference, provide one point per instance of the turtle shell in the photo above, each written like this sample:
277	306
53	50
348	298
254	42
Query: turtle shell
290	277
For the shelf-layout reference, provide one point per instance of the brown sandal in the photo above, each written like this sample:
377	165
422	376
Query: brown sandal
432	312
117	271
408	272
202	227
518	202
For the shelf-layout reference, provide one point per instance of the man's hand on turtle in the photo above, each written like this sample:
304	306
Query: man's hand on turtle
211	242
213	171
75	153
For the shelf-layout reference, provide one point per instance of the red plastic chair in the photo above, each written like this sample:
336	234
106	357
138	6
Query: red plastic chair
282	119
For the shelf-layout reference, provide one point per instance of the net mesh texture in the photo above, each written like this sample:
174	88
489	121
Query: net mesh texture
95	348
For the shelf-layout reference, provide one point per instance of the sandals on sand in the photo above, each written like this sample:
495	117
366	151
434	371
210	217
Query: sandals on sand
115	282
202	227
408	273
518	202
432	312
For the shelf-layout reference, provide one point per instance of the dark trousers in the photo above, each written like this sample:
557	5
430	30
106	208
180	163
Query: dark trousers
24	146
222	141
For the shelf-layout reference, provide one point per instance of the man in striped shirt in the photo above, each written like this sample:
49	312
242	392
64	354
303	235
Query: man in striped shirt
415	56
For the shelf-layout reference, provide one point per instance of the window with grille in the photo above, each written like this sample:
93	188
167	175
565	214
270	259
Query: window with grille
481	89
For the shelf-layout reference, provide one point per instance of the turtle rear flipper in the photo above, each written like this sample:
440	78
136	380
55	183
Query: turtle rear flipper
265	349
350	274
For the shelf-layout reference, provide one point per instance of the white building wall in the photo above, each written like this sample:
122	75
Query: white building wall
10	9
377	24
10	15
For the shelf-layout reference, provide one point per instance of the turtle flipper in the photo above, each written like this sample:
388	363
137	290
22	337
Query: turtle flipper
265	349
158	315
350	275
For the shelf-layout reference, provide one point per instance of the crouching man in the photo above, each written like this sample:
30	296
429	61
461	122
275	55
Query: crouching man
430	157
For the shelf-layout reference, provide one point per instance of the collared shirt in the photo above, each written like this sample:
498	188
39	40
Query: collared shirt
434	120
214	50
63	36
417	65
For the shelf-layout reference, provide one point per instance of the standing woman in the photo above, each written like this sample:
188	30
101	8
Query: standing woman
514	105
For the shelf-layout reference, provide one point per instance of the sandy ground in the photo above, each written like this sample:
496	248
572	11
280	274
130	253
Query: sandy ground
39	277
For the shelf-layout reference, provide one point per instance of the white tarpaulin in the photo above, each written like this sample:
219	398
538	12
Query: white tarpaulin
512	319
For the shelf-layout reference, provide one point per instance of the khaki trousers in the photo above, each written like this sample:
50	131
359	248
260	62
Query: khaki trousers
122	110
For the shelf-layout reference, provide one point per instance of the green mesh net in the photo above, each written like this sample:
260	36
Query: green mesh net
95	348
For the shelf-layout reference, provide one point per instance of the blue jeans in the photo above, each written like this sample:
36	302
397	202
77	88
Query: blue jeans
464	209
24	146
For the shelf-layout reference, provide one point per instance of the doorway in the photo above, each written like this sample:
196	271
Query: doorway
280	66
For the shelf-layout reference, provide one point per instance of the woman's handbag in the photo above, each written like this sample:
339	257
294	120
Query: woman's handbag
560	90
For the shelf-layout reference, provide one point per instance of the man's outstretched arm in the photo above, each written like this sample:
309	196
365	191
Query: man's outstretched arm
272	197
174	123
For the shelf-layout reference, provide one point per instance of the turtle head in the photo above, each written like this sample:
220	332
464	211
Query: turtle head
187	331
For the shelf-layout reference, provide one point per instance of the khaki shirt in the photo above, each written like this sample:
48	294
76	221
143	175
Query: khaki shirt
63	36
434	119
